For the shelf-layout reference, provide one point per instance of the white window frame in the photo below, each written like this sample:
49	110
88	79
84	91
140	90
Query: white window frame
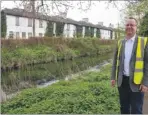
17	35
40	34
11	34
68	27
17	22
24	34
40	23
30	21
29	34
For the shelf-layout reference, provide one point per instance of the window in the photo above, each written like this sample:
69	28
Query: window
40	24
17	34
68	27
40	35
29	34
10	34
23	34
29	22
17	21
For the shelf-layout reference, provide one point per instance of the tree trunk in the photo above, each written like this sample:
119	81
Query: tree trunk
33	14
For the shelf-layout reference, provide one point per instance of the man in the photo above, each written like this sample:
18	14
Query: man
130	69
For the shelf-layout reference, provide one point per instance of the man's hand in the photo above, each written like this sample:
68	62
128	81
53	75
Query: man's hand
113	82
143	88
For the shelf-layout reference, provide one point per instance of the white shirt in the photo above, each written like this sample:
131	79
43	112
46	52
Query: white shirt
128	52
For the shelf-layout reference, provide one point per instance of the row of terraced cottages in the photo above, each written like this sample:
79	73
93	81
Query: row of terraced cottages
19	24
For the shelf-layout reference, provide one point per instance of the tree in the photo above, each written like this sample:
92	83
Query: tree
98	35
138	9
49	29
143	29
33	14
79	31
59	28
87	31
3	25
55	7
92	32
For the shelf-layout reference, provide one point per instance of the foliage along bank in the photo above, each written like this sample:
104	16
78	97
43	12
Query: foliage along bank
21	52
90	93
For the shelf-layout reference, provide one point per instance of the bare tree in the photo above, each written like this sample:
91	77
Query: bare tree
52	7
57	7
33	14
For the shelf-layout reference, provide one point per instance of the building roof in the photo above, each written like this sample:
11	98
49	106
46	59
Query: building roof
24	13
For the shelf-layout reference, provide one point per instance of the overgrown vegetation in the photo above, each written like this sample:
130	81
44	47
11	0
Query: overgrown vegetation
18	53
90	93
36	59
32	75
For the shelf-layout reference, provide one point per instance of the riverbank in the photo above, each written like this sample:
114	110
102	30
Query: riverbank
71	97
26	63
68	77
86	94
16	80
22	52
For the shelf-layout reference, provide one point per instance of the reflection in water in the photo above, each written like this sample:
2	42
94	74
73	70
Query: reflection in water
71	76
41	73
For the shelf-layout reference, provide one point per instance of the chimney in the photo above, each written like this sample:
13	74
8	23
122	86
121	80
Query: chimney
85	19
100	23
63	14
111	25
27	7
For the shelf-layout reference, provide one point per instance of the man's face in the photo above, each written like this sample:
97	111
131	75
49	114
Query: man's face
130	27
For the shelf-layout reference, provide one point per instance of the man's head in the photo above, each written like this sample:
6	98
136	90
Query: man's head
131	27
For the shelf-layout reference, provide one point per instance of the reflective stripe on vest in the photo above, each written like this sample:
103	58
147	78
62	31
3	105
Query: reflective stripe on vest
139	64
138	73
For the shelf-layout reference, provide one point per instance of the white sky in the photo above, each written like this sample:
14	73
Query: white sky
98	12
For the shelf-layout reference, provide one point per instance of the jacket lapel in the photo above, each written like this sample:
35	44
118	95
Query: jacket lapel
134	47
123	51
122	58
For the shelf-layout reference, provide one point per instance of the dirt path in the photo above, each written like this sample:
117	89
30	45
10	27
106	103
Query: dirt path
145	108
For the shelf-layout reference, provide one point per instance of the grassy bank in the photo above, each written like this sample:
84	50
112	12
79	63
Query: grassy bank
87	94
21	52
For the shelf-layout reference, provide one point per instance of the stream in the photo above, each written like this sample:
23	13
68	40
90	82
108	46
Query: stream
95	68
43	75
68	77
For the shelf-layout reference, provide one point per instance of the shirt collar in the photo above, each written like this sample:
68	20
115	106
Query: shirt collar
132	39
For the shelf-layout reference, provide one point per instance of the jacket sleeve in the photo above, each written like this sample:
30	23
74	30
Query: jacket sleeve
145	71
113	72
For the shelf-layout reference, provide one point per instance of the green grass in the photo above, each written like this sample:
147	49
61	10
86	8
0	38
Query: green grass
90	93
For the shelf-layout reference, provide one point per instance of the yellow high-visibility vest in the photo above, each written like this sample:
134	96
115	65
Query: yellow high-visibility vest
139	65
